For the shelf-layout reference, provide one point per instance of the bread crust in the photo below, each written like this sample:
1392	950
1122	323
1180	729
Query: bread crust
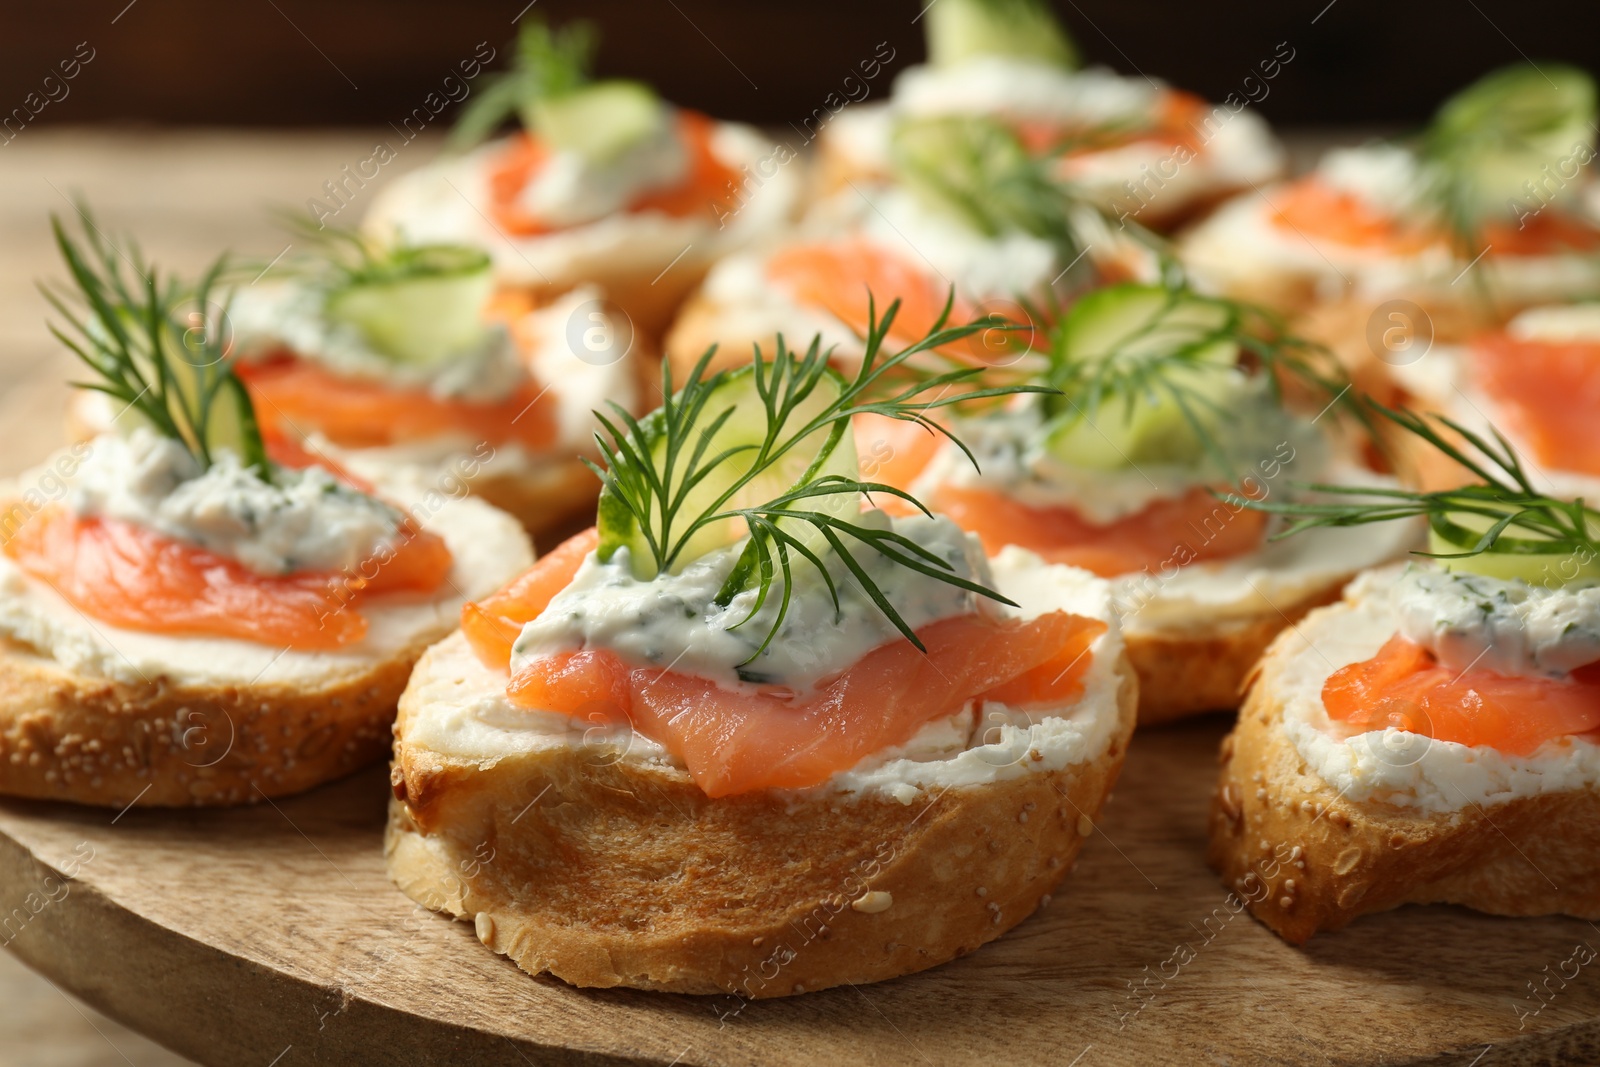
1343	324
551	503
1185	672
65	736
1307	859
648	295
625	874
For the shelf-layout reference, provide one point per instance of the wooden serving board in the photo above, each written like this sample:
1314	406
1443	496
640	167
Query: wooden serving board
239	936
271	936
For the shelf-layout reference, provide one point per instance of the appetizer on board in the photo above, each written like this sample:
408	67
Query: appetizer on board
1490	209
1429	738
605	183
1140	149
189	613
972	218
1161	400
398	362
743	737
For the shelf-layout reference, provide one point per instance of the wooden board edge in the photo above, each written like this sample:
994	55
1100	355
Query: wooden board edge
214	1008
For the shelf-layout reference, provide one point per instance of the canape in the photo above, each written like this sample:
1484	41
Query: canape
605	183
1142	150
1428	739
1493	199
1534	380
971	219
750	735
1160	403
398	362
189	619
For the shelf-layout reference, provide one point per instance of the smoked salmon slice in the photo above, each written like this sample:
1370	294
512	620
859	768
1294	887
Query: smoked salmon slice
1405	687
1548	392
740	740
737	740
710	185
837	276
1313	209
1178	121
294	397
1548	233
893	451
1195	527
137	579
492	624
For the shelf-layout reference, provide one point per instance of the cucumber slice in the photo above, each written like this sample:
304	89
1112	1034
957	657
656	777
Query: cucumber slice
1502	130
1114	331
599	121
959	30
420	305
828	451
231	424
1525	555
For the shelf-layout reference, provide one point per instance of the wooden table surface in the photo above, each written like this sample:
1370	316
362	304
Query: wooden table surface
226	934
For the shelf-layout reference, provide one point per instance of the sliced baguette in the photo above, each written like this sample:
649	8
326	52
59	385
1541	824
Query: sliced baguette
1307	858
1203	667
97	715
593	856
92	740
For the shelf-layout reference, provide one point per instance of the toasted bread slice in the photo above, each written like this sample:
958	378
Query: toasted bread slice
1190	670
100	715
1408	821
593	856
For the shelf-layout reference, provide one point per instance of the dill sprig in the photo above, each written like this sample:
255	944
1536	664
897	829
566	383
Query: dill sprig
546	63
1522	115
157	345
1504	495
654	466
338	257
1182	366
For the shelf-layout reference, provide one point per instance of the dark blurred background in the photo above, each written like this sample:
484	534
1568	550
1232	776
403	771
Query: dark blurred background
349	62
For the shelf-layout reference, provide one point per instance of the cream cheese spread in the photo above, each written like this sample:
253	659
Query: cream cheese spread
674	621
1506	626
300	520
571	189
487	546
1395	766
272	317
